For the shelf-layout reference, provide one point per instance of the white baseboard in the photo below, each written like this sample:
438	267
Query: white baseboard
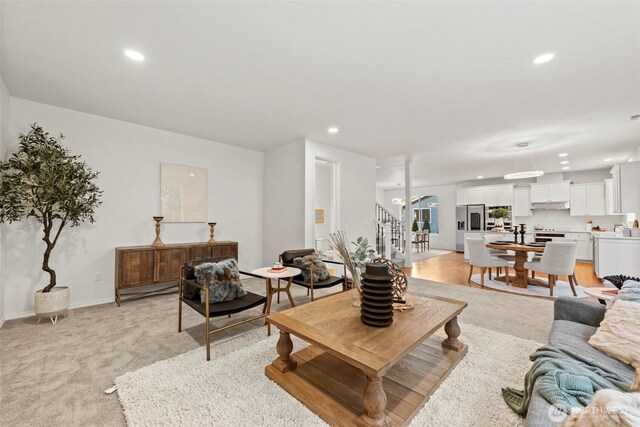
23	314
1	321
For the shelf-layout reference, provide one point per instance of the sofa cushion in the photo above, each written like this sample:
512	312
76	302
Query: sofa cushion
619	333
222	279
575	336
313	263
630	291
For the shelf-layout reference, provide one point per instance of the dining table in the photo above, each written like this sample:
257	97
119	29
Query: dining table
521	279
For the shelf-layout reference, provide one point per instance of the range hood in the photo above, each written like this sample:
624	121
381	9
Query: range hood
551	206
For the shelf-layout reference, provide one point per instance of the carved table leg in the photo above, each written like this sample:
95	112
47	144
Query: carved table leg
284	363
453	332
375	401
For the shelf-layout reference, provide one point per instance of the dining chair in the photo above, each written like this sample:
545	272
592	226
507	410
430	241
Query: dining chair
538	255
558	259
479	256
498	253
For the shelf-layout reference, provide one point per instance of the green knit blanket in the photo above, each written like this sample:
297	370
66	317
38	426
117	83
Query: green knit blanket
565	379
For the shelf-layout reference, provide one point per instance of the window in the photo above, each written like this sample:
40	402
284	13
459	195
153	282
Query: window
425	212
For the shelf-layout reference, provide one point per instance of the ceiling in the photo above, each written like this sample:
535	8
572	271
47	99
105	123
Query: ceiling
451	84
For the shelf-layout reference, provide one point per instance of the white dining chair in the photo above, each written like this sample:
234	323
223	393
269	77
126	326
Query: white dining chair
499	253
479	256
558	259
538	255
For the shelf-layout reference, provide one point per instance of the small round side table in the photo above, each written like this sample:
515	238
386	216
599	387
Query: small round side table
597	292
289	274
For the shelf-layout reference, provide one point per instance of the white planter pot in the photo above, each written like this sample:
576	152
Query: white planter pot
53	303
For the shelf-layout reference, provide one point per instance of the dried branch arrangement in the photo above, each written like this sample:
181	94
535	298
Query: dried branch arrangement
339	243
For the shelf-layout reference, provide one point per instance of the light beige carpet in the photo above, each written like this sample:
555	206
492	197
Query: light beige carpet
188	391
55	375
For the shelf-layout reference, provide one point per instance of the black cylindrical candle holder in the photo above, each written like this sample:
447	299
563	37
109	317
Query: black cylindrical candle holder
376	307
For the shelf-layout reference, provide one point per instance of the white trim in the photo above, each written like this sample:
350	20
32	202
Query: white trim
23	314
1	322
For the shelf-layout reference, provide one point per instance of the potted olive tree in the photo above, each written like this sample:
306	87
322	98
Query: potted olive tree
500	214
45	182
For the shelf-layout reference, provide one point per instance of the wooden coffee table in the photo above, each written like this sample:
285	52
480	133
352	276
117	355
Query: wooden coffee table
354	374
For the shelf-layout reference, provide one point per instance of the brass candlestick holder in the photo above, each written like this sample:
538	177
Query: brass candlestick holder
212	226
523	230
157	241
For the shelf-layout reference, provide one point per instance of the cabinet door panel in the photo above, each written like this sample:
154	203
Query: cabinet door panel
169	263
136	268
491	196
539	193
505	195
229	250
559	192
522	204
595	199
199	252
578	200
476	196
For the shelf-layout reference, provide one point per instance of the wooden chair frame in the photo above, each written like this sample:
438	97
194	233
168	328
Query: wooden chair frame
310	288
208	331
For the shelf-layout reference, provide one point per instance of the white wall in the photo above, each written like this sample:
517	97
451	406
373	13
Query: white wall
446	239
284	202
635	156
128	158
4	140
356	191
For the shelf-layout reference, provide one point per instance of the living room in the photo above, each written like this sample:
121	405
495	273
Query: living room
231	135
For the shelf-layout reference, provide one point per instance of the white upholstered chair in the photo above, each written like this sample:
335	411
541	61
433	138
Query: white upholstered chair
479	256
558	259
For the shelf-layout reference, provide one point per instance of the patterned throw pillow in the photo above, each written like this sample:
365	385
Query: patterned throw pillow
305	263
222	279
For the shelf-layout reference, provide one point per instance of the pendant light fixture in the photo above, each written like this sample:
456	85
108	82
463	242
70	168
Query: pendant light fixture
533	173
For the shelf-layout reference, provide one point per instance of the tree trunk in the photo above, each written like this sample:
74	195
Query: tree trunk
45	265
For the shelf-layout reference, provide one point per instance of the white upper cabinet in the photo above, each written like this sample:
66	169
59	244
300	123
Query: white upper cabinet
491	196
559	192
608	197
505	195
550	193
462	197
477	196
587	199
626	195
539	193
522	202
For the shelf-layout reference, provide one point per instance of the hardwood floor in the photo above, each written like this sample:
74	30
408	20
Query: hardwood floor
452	268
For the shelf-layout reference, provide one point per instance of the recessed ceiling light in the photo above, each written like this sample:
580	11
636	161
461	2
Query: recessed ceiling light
543	58
134	54
480	176
332	130
565	168
608	160
564	162
563	154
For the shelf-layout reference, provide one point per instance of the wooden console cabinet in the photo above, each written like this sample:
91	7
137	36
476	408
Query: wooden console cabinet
138	266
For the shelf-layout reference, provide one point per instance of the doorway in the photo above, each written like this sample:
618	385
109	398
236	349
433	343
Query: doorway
325	203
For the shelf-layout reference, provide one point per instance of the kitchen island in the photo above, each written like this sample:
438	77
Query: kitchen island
614	255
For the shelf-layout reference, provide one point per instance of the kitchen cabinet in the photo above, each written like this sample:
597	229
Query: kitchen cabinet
626	195
522	202
462	197
138	266
608	197
616	256
477	196
491	196
587	199
505	195
550	193
584	245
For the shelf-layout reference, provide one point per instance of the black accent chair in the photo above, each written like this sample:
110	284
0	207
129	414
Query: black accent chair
287	258
189	292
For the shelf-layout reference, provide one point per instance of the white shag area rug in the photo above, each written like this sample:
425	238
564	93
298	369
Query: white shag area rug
232	389
562	288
